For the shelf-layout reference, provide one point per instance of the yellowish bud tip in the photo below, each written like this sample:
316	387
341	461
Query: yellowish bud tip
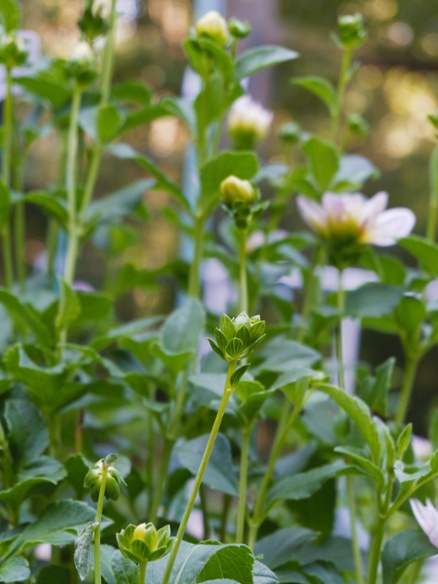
139	531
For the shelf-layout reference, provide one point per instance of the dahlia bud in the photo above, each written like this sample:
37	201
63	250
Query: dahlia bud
234	189
290	133
13	51
81	65
239	29
93	479
144	543
351	30
213	26
248	122
236	338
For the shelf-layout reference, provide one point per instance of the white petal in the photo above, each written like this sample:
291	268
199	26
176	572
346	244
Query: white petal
390	226
312	213
427	518
374	206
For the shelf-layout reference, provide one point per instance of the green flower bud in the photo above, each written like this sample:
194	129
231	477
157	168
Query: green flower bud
358	125
213	26
239	28
248	122
234	189
237	338
13	52
81	65
143	543
93	479
351	30
290	133
95	20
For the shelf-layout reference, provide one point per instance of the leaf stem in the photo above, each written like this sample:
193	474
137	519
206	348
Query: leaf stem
240	527
228	389
98	521
433	201
342	82
374	557
243	280
412	360
6	176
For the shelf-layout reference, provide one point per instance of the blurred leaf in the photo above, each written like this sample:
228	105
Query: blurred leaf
10	15
281	546
403	549
96	308
77	467
183	328
373	300
209	104
410	315
117	205
425	251
14	570
374	390
5	204
53	575
108	121
134	91
48	84
52	202
125	571
82	550
323	159
27	432
244	165
354	170
69	307
258	58
220	474
320	87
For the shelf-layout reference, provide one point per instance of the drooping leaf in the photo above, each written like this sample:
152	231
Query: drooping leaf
426	252
320	87
82	550
259	58
28	436
323	160
373	300
14	570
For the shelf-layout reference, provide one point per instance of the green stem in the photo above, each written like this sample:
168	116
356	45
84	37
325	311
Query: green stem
309	292
19	238
374	557
243	281
194	288
98	520
142	572
108	56
200	474
350	479
6	176
240	528
161	480
336	119
204	510
226	505
412	361
433	201
53	423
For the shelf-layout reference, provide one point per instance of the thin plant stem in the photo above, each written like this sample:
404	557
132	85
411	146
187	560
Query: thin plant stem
98	520
349	479
412	361
243	280
19	238
342	82
309	292
228	389
194	288
6	176
142	572
241	510
374	556
433	201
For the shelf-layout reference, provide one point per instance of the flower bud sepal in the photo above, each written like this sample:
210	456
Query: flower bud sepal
237	338
93	479
144	543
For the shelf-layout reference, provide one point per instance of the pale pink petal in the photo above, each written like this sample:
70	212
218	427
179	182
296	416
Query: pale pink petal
374	206
427	519
312	213
389	226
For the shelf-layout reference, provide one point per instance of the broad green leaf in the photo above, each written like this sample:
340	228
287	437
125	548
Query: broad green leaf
320	87
96	308
204	53
82	550
251	396
141	117
115	206
69	307
48	86
34	479
183	328
10	14
14	570
124	151
134	91
263	575
373	300
292	376
26	430
424	251
402	549
52	202
229	563
359	413
220	473
132	330
77	467
323	160
259	58
5	204
125	571
363	462
53	575
244	165
374	390
304	484
281	546
108	121
299	180
281	354
410	315
209	104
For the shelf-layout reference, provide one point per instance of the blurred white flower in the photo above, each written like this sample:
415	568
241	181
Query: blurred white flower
214	26
248	122
353	218
101	8
427	519
82	53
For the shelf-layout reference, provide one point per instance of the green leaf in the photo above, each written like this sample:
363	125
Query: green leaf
53	575
373	300
52	202
126	152
108	121
82	550
26	430
14	570
77	467
410	315
96	308
69	307
259	58
125	571
320	87
374	390
251	396
359	413
183	328
10	14
303	485
363	462
323	160
403	549
134	91
263	575
244	165
281	354
48	85
282	546
354	171
220	473
209	104
229	563
425	251
237	375
115	206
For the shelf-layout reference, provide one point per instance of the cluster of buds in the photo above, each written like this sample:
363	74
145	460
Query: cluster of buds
241	201
13	51
81	66
248	122
214	27
144	543
351	31
95	19
236	338
93	478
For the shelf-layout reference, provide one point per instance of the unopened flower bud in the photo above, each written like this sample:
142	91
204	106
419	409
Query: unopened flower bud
248	122
13	51
93	479
234	189
239	28
101	8
351	30
237	337
213	26
144	543
358	125
95	19
81	65
290	133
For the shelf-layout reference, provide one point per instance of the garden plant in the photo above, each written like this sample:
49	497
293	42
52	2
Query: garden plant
194	446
